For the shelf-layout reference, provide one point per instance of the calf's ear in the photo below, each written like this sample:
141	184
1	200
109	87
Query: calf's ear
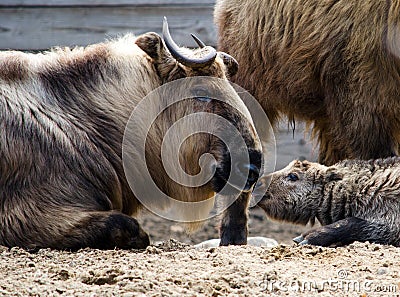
332	174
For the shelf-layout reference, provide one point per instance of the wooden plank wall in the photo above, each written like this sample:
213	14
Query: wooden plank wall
40	24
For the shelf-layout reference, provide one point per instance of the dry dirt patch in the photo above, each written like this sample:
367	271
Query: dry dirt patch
172	268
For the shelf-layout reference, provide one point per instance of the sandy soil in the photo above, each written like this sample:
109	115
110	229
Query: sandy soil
173	267
176	269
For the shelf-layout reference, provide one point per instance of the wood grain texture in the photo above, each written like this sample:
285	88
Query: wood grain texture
30	27
30	3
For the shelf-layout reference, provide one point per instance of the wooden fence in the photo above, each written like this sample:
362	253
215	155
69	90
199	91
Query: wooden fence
40	24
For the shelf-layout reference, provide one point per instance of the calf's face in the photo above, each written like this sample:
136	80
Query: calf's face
293	194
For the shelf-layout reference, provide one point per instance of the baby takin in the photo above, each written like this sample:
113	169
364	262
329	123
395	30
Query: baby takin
354	200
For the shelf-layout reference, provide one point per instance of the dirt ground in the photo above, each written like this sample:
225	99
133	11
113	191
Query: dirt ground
175	268
172	266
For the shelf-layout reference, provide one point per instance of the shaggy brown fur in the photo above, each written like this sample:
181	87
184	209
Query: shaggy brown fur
334	64
62	117
353	200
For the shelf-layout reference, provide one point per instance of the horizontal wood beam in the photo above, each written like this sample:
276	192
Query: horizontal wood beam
112	3
33	28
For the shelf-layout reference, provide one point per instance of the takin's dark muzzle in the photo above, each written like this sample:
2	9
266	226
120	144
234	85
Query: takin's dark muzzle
237	177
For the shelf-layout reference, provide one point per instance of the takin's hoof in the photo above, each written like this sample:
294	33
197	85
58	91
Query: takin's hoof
126	233
299	239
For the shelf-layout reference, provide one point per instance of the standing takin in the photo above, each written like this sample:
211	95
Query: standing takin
354	200
334	64
63	115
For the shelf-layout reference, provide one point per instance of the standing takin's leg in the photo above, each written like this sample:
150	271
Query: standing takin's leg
365	136
233	228
346	231
362	121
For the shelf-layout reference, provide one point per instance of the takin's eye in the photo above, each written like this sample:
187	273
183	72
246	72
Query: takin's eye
293	177
201	94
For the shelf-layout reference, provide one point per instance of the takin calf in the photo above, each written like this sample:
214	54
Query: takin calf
353	200
63	115
334	64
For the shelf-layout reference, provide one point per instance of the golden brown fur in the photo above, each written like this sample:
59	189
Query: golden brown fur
334	64
62	117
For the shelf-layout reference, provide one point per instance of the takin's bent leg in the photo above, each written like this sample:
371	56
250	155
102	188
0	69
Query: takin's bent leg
72	229
346	231
233	228
105	230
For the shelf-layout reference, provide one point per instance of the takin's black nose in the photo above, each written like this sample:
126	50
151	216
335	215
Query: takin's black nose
249	171
243	174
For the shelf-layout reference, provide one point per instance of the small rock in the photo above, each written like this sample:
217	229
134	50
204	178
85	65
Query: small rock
262	241
31	264
63	274
212	243
60	290
153	250
252	241
382	271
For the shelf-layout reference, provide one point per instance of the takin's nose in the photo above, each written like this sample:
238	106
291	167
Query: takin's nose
249	171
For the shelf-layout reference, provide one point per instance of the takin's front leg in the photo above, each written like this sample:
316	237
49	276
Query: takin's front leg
233	228
104	230
346	231
70	229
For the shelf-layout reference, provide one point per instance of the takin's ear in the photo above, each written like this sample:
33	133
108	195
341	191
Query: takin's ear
305	164
152	44
230	62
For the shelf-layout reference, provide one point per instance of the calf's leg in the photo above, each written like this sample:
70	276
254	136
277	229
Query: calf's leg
346	231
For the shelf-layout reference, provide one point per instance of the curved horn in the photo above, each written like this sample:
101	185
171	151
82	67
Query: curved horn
208	55
200	43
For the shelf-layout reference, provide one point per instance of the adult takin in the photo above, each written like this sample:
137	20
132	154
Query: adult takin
63	114
334	64
354	200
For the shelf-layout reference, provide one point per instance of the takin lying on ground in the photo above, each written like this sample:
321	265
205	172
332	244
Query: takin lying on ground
354	200
334	64
62	117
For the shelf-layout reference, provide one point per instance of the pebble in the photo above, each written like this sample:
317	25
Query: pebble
382	271
252	241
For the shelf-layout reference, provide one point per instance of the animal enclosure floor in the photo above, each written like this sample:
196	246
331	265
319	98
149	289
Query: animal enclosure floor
173	268
176	269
